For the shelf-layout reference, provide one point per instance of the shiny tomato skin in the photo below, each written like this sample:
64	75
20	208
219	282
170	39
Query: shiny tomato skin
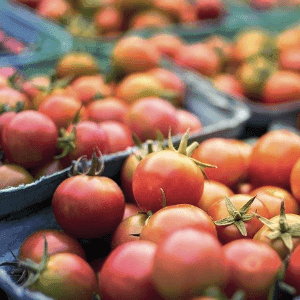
126	272
174	217
253	268
67	276
292	274
197	259
212	192
229	233
272	196
273	157
295	180
58	242
29	139
130	209
5	118
179	177
227	155
277	244
88	206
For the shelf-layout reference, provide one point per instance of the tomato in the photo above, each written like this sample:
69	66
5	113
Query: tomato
294	181
292	273
147	115
110	108
228	156
267	166
130	209
13	175
66	276
11	97
29	139
242	222
58	242
32	85
253	267
107	19
4	119
196	269
61	109
86	136
208	9
172	218
47	169
179	177
212	192
129	229
55	10
188	120
280	232
126	273
119	135
272	197
89	88
88	206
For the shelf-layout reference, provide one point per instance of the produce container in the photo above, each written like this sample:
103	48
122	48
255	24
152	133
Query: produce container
44	41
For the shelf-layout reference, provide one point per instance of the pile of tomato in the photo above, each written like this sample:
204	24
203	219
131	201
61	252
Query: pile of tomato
214	219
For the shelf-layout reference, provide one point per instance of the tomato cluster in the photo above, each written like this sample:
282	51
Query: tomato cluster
48	121
187	233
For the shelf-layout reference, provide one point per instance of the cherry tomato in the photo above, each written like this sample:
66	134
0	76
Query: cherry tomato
4	119
58	242
197	259
228	156
188	120
273	157
175	217
294	180
126	273
253	267
29	139
239	217
130	209
272	197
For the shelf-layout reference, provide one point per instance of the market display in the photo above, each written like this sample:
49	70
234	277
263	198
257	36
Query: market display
128	172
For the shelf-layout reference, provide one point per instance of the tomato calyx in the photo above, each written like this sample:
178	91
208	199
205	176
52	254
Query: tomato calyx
29	269
237	217
96	167
188	151
149	146
283	229
66	142
4	107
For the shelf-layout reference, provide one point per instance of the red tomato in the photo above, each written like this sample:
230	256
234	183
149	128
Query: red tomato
188	120
226	233
129	229
87	137
10	97
126	273
253	268
106	109
72	277
197	259
61	109
119	136
130	209
272	197
58	242
147	115
292	274
31	86
212	192
4	119
175	217
227	155
88	206
267	166
179	177
294	180
29	139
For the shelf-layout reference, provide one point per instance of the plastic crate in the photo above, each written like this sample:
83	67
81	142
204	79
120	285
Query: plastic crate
45	41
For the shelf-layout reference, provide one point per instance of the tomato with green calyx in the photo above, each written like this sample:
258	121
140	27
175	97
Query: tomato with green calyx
281	232
88	205
180	176
235	217
61	276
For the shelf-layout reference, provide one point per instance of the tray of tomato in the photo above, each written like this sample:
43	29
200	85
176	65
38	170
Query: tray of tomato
223	206
254	57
